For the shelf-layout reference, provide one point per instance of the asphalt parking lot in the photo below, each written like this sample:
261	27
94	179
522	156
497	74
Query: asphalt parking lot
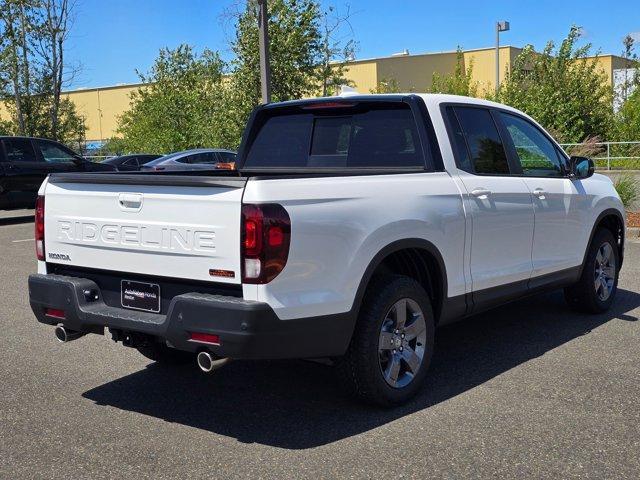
531	390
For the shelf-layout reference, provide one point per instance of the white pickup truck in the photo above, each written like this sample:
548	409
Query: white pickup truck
354	226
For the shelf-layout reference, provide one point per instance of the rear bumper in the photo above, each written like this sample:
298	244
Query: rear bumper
247	329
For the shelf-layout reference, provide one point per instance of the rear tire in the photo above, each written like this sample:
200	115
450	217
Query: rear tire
164	355
392	344
596	289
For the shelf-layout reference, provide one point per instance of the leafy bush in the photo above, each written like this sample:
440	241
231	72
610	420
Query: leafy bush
563	88
460	83
627	187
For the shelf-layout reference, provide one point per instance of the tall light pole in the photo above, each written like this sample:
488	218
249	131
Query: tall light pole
500	27
263	35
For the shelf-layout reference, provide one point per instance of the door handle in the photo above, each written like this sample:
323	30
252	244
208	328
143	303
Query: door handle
130	201
540	193
481	193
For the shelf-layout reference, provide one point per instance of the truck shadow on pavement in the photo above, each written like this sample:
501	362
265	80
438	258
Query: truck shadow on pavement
298	404
16	220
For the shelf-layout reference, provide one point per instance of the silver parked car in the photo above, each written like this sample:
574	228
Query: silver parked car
196	159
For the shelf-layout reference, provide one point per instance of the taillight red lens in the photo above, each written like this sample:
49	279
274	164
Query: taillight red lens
276	236
39	227
252	219
205	338
266	235
55	313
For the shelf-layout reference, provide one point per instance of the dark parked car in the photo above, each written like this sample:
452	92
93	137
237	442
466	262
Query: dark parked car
196	159
130	163
25	163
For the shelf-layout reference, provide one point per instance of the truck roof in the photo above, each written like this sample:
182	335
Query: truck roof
429	98
433	99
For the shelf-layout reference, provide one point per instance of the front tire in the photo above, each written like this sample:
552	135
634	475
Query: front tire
392	345
598	284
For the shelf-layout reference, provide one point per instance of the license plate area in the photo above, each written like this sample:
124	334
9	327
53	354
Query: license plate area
140	296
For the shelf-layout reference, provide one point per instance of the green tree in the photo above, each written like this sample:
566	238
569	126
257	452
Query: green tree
181	105
631	75
6	128
562	89
33	70
460	83
336	48
296	56
627	129
386	86
628	118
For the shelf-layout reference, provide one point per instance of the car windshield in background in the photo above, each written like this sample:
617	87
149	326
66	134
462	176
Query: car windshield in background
378	136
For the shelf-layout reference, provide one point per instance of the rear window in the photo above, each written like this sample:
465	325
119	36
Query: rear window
365	136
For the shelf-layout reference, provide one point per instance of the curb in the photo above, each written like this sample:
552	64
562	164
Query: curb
632	232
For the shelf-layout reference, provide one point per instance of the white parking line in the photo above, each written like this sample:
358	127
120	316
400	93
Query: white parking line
25	240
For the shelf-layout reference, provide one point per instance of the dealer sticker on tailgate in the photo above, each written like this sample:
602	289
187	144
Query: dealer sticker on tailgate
140	296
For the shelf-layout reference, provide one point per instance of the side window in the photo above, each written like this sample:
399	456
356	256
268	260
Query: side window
53	153
562	158
204	158
131	162
459	143
536	153
19	150
485	150
187	159
227	157
145	160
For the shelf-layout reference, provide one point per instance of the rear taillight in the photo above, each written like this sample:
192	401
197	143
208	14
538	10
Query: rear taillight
204	338
266	234
39	227
55	313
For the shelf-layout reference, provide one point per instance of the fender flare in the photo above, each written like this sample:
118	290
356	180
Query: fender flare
417	243
605	213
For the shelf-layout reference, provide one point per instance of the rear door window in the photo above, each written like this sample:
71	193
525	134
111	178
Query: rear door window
19	150
484	153
371	136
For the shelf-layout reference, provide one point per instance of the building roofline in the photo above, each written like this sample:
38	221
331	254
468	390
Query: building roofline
107	87
425	54
444	52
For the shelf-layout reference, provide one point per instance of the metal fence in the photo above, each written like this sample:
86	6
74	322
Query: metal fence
608	155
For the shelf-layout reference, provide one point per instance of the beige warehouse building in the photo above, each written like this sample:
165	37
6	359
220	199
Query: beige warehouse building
102	106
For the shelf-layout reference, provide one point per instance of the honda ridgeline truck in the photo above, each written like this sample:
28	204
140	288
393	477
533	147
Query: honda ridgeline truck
353	227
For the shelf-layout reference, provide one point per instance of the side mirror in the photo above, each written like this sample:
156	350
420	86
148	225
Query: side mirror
581	167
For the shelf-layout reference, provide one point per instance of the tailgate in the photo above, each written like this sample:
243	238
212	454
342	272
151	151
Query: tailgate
171	226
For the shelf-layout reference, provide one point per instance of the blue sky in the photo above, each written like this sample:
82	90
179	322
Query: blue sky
112	39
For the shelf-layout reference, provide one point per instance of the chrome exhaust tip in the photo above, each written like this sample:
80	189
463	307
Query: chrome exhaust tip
208	363
64	335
